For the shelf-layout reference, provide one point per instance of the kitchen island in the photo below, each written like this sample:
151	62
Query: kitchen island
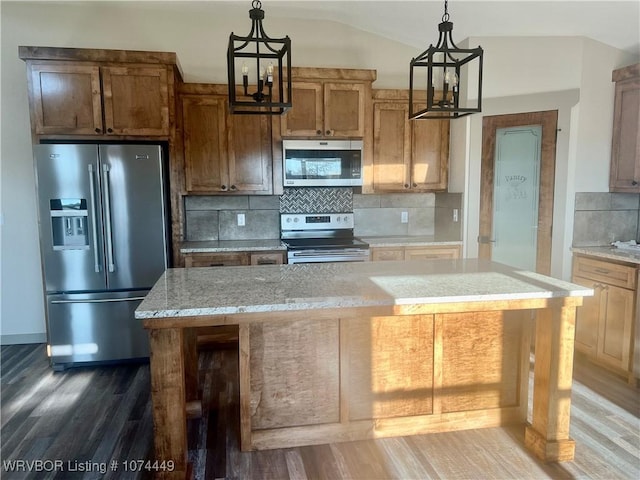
343	351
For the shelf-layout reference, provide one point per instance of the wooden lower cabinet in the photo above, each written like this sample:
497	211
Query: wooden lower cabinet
341	378
604	323
415	253
231	259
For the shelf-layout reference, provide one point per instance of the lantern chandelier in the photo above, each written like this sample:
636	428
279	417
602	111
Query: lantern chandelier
265	66
440	71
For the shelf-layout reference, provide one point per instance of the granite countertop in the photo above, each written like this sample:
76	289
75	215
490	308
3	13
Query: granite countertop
182	292
400	241
216	246
611	253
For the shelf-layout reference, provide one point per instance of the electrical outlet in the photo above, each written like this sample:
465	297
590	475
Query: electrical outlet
241	220
455	215
404	217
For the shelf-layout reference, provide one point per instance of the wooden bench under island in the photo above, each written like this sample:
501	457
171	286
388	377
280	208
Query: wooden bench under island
350	351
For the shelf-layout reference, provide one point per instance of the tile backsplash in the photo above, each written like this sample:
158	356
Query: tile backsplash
216	217
601	218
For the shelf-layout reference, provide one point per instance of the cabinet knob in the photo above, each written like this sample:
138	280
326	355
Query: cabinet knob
634	183
98	130
223	187
406	185
233	187
110	130
328	132
319	132
415	185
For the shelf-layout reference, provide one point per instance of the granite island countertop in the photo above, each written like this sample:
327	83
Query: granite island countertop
611	253
183	292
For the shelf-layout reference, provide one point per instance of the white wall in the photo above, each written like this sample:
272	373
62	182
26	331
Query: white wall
198	33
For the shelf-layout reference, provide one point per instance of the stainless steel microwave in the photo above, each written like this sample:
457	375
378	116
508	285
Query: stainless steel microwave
322	163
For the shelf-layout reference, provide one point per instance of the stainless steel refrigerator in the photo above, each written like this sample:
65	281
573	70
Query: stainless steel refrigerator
103	238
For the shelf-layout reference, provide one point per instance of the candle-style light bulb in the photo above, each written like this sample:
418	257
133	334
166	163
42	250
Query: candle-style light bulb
451	79
245	69
270	74
245	77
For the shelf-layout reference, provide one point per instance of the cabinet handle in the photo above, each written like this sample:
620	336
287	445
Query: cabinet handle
216	264
223	187
98	130
602	271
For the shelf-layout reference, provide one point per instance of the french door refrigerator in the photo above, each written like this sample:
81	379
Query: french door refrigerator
103	238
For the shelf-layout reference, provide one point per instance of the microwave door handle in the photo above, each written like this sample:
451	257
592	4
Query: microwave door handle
94	228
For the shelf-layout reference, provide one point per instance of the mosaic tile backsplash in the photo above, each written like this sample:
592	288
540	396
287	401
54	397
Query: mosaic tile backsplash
316	200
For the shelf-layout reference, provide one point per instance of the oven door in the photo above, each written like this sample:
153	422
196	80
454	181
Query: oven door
328	255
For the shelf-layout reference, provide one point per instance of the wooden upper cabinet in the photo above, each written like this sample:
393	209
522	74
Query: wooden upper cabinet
66	99
204	138
136	100
344	109
306	116
408	155
625	149
328	102
77	92
223	152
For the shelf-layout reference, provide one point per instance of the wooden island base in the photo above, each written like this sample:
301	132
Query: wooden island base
331	375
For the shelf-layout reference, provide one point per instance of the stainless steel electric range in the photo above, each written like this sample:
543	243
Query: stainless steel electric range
320	238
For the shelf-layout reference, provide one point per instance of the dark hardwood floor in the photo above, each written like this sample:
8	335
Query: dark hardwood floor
89	418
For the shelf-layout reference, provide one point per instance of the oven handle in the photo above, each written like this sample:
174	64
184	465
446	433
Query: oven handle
333	253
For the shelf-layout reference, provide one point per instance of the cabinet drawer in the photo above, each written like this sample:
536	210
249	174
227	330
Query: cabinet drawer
606	272
215	259
381	254
267	258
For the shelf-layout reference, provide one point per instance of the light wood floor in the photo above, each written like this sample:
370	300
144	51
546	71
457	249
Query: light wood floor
104	414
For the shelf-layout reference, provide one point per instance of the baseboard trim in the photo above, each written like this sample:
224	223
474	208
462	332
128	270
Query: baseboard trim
21	338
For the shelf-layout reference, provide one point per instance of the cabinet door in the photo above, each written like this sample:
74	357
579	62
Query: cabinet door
588	318
429	154
625	152
250	157
429	253
66	99
305	117
136	100
205	148
344	109
614	336
391	147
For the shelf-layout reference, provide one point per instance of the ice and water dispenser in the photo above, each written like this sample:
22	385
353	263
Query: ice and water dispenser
69	222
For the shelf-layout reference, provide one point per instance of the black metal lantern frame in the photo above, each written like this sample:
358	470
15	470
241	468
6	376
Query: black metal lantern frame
444	64
270	60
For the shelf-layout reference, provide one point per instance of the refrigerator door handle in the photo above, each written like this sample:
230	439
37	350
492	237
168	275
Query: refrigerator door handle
107	210
105	300
94	228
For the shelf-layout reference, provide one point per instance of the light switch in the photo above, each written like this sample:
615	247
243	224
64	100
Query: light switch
241	220
404	217
455	215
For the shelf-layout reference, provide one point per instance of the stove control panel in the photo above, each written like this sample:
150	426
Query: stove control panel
315	221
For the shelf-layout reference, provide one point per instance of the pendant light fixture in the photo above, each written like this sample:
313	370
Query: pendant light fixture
264	64
445	71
